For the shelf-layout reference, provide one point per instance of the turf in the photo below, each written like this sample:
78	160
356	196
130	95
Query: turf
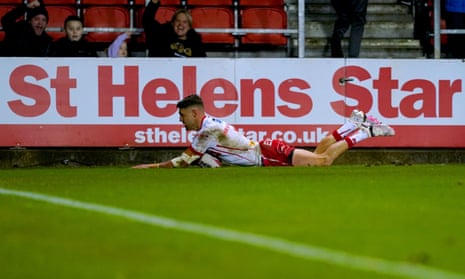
412	214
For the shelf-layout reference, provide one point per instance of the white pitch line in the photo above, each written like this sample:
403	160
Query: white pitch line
280	245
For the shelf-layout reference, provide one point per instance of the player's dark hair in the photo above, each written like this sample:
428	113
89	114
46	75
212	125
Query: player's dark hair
191	100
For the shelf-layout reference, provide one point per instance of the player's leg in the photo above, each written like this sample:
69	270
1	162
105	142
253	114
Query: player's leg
305	158
343	131
359	128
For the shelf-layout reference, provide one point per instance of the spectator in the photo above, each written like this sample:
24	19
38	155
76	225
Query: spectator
119	47
350	13
73	43
26	37
455	19
172	39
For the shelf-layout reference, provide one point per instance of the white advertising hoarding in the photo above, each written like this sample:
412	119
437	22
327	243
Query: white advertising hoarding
107	102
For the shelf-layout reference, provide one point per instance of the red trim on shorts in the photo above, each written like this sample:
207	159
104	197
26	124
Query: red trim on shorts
337	136
349	141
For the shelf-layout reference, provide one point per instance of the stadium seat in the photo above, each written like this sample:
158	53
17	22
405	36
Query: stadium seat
10	2
60	2
163	15
57	16
214	17
261	3
163	2
171	2
210	3
105	17
264	18
105	2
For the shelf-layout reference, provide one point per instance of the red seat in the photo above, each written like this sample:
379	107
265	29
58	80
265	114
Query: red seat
103	2
57	16
163	2
261	3
60	2
10	2
164	14
171	2
210	3
264	18
214	17
105	17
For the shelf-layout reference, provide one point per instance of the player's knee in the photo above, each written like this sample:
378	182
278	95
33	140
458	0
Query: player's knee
323	161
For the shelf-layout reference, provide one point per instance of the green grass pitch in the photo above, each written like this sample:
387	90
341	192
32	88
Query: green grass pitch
411	219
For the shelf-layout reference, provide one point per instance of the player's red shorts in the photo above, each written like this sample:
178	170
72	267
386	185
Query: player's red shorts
276	153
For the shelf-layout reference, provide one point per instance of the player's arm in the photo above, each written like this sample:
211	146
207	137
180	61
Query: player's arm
182	161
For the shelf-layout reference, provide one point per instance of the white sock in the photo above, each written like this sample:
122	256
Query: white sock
359	136
346	129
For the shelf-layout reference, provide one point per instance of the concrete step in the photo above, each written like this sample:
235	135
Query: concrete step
380	30
371	48
374	11
388	32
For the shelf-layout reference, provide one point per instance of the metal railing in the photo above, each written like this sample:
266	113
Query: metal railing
438	31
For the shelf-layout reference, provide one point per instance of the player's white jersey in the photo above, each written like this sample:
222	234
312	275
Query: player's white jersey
223	141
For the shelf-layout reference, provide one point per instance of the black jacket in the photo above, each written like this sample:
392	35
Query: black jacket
66	48
20	39
162	41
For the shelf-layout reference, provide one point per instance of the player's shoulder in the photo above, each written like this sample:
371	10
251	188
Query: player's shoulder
210	121
212	125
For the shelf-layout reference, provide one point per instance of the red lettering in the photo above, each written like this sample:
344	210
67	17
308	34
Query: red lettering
62	84
189	80
39	95
360	94
423	102
446	94
152	94
210	95
129	91
222	97
385	84
248	88
303	102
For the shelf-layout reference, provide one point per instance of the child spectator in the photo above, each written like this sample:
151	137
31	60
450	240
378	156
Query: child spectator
73	43
26	37
119	47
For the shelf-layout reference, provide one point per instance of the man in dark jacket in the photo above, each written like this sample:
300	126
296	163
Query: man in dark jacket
172	39
26	37
350	13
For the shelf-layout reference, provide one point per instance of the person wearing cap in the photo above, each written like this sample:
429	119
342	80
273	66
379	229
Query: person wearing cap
26	37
